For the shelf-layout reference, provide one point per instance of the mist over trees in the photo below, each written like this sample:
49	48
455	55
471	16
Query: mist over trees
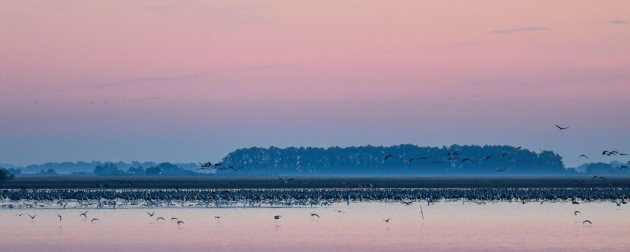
354	161
369	160
82	167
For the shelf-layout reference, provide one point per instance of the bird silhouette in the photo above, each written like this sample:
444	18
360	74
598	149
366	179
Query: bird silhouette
286	181
150	214
160	218
517	149
388	156
180	222
314	214
59	217
83	214
32	216
587	221
576	212
236	169
409	161
387	220
583	156
95	219
561	128
277	217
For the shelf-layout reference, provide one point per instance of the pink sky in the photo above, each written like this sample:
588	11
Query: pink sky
258	73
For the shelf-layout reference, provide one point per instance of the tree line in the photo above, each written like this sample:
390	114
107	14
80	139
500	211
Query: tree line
406	159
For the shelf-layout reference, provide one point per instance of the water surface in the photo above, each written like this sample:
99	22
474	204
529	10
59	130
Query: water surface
447	226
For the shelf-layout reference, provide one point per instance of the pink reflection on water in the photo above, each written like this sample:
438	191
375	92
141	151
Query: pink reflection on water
448	226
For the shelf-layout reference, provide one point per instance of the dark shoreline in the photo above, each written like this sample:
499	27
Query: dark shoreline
68	182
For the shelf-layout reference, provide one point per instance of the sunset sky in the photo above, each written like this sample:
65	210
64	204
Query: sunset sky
236	74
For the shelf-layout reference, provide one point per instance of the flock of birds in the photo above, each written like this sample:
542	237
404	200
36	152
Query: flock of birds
206	198
452	157
150	198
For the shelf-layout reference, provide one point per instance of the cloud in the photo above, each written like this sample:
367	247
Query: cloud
150	79
618	22
524	29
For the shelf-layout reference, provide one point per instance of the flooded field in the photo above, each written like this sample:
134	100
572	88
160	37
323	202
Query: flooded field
442	226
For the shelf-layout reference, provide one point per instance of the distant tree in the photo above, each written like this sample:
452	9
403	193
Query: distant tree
600	169
47	172
15	171
173	170
108	169
134	170
5	175
153	171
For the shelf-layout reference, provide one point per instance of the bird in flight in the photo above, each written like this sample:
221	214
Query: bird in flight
95	219
338	211
236	169
584	156
174	219
487	158
32	216
180	222
387	220
150	214
587	221
466	159
388	156
314	214
160	218
217	217
83	214
277	217
517	148
286	181
409	161
59	217
502	155
624	167
576	212
561	128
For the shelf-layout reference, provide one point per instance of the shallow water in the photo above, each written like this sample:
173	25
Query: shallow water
448	226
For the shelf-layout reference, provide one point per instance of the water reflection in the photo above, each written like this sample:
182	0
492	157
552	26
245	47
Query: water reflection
448	226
